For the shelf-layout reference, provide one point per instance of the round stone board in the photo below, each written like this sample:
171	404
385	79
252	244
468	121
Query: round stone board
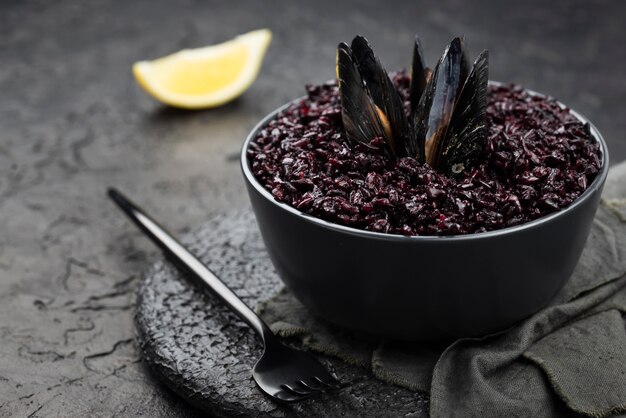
205	354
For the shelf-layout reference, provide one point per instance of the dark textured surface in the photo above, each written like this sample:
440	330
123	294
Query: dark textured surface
72	122
206	355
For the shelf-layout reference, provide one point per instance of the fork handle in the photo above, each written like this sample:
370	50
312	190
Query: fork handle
174	249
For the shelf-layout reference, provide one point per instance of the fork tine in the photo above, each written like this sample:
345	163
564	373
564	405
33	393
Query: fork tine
301	391
312	384
327	381
309	387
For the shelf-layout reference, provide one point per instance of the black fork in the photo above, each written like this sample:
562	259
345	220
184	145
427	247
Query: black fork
283	373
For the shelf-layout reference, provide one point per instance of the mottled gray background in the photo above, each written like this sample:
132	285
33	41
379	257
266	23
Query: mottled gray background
72	122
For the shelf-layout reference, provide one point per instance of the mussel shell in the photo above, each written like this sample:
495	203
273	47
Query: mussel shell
434	111
383	93
359	114
467	132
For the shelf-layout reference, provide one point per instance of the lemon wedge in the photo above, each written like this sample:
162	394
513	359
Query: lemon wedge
205	77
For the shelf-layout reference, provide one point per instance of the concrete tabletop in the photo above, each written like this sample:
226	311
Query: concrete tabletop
73	121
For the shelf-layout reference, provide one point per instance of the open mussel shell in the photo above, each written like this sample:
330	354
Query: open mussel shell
434	111
383	93
467	131
361	119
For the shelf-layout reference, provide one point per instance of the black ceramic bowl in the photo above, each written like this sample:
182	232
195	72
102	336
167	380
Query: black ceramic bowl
423	288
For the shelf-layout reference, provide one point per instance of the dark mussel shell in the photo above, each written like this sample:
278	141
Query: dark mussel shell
432	115
361	119
467	131
382	92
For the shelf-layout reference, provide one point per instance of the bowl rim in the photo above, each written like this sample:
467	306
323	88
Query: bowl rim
595	185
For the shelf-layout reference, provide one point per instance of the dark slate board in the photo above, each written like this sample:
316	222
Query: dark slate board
205	353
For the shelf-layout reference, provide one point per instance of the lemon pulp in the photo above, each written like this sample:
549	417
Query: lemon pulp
205	77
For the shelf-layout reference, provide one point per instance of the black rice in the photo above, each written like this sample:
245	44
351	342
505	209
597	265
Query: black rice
539	158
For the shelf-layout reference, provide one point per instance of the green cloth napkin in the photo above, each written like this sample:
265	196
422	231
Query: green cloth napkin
568	359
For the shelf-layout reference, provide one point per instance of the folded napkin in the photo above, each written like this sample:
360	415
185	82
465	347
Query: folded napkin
568	359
